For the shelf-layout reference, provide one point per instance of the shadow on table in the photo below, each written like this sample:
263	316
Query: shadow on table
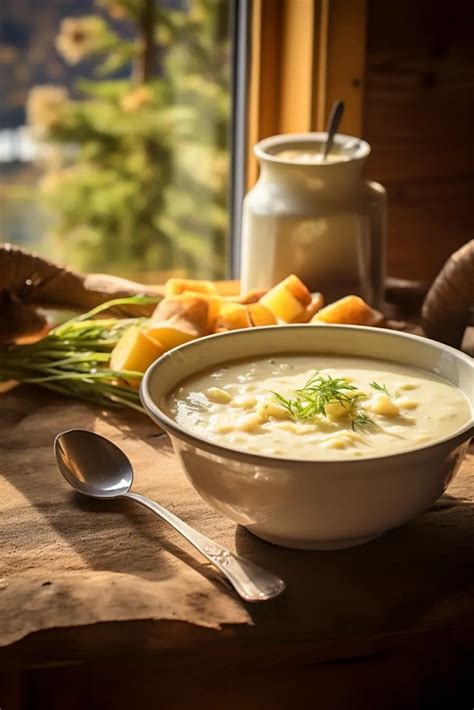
137	552
69	529
419	573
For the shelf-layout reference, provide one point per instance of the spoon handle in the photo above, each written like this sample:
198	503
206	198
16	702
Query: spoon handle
333	124
249	580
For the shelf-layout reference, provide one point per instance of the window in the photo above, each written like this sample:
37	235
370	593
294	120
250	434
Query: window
161	101
115	133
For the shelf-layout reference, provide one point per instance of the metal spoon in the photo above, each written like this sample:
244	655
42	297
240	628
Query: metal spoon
331	129
95	467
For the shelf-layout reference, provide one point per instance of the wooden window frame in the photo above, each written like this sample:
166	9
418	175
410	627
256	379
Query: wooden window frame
304	54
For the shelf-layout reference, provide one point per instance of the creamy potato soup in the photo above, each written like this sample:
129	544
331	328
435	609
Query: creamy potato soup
319	407
311	157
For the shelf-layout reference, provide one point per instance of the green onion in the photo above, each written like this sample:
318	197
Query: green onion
73	358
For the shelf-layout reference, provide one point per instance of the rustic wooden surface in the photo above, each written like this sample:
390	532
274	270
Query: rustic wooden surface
418	107
71	569
71	561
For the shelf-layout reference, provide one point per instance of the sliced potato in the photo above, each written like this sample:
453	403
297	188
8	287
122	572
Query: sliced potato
175	287
232	316
317	302
350	310
298	289
288	299
260	314
214	302
218	395
171	337
178	319
135	350
382	404
268	407
251	296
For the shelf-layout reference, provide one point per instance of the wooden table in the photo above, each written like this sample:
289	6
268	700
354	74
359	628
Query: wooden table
102	606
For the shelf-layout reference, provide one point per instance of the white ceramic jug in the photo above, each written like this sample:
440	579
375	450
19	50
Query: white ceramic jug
322	221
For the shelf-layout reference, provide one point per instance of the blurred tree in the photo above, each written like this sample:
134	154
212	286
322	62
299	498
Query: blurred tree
136	170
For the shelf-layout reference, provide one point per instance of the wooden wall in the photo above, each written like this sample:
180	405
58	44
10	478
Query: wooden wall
419	118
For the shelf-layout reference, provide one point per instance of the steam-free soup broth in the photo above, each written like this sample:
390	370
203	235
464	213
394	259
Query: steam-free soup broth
321	407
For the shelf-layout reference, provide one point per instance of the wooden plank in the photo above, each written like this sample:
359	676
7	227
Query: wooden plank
264	80
281	71
418	109
422	236
296	88
341	62
432	670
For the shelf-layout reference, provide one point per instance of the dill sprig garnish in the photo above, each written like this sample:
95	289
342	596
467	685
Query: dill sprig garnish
361	419
380	388
321	390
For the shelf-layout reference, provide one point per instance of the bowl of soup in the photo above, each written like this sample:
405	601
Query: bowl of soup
315	437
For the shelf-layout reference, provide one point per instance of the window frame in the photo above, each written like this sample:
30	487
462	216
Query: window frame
322	43
240	33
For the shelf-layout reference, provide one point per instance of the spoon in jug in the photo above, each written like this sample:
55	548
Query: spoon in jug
331	129
96	467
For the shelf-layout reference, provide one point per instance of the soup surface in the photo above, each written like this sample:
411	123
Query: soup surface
311	157
319	407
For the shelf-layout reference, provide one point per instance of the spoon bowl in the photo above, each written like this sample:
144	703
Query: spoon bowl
92	464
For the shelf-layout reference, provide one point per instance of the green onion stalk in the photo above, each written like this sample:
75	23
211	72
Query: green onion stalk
74	358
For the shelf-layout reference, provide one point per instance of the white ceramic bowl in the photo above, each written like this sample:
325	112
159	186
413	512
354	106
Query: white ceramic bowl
312	504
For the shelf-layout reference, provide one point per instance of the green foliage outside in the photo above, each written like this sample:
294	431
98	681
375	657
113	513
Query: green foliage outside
136	170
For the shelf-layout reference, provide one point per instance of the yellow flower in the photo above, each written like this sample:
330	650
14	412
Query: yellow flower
45	105
135	99
197	13
51	181
116	10
79	37
57	177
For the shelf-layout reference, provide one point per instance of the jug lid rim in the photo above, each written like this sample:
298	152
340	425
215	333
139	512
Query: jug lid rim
351	147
